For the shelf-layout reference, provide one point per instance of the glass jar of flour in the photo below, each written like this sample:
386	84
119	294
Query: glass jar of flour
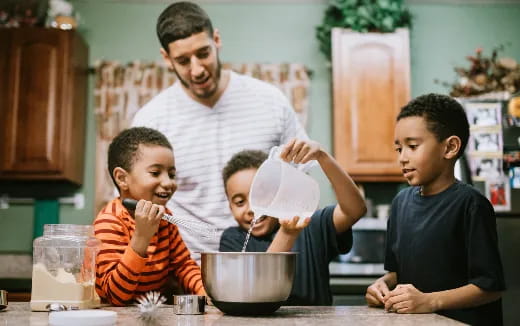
64	267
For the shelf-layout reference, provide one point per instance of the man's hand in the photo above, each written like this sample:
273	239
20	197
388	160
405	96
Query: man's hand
405	298
147	217
376	293
294	226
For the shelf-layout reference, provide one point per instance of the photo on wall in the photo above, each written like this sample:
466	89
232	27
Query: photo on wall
485	142
499	194
514	177
483	114
485	167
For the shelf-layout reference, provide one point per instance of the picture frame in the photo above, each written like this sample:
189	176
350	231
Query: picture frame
485	141
514	177
483	114
498	192
486	168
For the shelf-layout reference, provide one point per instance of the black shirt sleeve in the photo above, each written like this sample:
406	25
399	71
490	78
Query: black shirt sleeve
322	231
484	264
232	240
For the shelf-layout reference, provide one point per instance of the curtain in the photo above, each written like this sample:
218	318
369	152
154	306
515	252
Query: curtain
122	89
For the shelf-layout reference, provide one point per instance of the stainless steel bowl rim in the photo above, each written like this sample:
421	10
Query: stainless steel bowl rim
248	277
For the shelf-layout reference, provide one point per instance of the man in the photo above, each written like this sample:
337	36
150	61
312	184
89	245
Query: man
208	116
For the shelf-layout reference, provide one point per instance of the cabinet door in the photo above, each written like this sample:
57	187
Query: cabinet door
371	82
5	42
32	125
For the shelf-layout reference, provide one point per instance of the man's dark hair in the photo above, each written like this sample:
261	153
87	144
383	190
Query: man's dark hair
444	117
124	149
243	160
181	20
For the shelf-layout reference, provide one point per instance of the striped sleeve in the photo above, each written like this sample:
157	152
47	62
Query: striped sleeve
185	269
292	128
118	266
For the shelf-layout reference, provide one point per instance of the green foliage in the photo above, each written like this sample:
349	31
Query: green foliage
364	16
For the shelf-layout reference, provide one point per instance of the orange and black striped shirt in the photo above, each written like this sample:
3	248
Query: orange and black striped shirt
122	275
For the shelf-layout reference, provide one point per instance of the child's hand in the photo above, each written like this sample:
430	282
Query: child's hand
405	298
289	230
301	151
376	293
294	225
147	217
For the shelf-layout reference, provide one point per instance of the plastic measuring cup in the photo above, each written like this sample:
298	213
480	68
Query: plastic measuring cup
283	190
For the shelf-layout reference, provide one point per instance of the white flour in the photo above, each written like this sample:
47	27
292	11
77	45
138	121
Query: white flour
62	288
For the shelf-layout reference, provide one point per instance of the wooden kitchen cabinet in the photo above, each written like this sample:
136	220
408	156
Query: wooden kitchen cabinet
43	89
371	82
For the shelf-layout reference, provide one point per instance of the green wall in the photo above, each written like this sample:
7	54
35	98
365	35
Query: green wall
441	37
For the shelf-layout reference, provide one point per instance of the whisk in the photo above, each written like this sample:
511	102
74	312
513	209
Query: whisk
203	229
149	307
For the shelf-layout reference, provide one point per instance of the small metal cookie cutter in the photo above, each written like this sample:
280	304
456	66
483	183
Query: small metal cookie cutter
189	304
3	299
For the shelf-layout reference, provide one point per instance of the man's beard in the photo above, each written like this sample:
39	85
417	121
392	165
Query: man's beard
210	93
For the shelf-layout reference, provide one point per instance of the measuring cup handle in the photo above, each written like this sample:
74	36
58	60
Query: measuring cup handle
274	153
305	167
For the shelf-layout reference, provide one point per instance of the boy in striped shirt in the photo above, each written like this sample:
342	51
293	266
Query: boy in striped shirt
140	252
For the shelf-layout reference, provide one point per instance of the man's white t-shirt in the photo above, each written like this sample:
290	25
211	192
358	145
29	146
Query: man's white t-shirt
250	114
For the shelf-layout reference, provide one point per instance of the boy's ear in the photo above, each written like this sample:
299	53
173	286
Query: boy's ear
453	146
121	176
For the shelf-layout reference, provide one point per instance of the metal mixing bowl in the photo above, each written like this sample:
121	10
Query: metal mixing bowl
248	283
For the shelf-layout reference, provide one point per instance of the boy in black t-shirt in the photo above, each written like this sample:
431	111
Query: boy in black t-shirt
441	250
326	234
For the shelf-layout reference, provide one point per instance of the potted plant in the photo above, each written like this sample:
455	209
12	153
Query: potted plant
383	16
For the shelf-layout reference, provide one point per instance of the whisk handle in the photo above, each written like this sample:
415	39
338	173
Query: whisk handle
130	204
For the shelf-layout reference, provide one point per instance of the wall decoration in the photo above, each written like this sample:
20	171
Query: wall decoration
483	114
484	168
499	194
485	75
481	142
514	177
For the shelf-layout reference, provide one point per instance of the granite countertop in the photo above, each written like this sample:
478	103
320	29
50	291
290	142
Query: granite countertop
18	313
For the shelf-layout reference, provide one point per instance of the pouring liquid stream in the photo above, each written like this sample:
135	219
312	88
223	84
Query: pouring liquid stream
253	222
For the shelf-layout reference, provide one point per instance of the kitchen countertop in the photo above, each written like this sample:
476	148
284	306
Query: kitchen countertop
19	313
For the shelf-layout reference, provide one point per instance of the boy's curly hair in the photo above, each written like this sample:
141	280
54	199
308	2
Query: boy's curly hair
124	149
444	117
243	160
